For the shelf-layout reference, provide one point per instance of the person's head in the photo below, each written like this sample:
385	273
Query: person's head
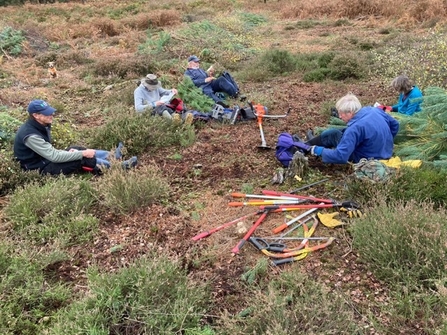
151	82
41	111
347	106
402	84
193	62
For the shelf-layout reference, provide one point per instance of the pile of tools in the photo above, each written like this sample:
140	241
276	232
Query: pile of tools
275	246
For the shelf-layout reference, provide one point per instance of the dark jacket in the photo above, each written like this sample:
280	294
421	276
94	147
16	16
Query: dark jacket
30	160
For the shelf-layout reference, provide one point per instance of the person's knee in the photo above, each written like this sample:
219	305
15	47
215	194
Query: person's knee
331	137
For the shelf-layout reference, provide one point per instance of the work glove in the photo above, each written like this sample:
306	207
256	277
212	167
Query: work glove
316	150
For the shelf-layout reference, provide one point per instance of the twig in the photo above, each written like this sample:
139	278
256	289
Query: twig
7	56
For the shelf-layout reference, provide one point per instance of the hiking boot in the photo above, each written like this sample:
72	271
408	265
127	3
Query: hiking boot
189	118
118	153
130	163
334	112
310	134
223	104
166	115
176	118
242	98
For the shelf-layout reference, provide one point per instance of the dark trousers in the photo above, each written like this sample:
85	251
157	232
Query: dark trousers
70	167
225	83
328	138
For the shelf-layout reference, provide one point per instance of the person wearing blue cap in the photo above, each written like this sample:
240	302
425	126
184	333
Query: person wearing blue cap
209	84
34	151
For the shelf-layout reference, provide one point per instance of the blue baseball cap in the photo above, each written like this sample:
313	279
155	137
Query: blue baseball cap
40	106
193	58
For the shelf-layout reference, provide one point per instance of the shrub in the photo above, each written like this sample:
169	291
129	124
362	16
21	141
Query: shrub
141	132
11	174
278	62
411	236
289	305
346	66
8	128
123	68
153	296
423	184
317	75
28	296
124	192
193	96
56	213
424	60
11	41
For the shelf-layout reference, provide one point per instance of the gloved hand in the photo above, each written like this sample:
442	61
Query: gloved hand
316	150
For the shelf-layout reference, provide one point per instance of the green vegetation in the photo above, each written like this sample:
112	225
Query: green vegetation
68	261
11	41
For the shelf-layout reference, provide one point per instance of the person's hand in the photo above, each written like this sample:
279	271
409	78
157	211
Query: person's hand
88	153
316	150
208	79
174	91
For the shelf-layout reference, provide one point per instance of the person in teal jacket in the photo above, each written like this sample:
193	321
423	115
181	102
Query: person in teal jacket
410	96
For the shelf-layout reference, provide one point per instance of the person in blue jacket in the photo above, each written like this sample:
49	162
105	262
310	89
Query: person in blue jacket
369	134
209	84
410	96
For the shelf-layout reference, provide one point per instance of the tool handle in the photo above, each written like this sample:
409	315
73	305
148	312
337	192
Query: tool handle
201	235
236	204
283	261
238	247
238	195
280	228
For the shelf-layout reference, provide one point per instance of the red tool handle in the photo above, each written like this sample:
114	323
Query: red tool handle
238	247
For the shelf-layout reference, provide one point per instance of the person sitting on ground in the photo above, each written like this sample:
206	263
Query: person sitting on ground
209	84
369	134
34	151
150	95
410	96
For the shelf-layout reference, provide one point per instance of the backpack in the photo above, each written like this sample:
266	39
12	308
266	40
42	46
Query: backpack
372	170
286	146
176	105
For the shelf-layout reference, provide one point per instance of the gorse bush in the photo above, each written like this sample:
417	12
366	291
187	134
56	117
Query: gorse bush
140	132
411	237
56	213
152	296
28	296
424	60
126	191
11	41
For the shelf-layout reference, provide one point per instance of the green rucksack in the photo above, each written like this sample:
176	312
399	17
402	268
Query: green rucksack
372	170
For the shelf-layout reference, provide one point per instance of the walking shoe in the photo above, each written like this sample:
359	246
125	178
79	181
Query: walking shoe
118	153
189	118
223	104
130	163
176	118
166	115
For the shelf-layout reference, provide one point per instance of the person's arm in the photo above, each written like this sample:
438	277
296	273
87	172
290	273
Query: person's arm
141	103
343	151
393	124
46	150
198	76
